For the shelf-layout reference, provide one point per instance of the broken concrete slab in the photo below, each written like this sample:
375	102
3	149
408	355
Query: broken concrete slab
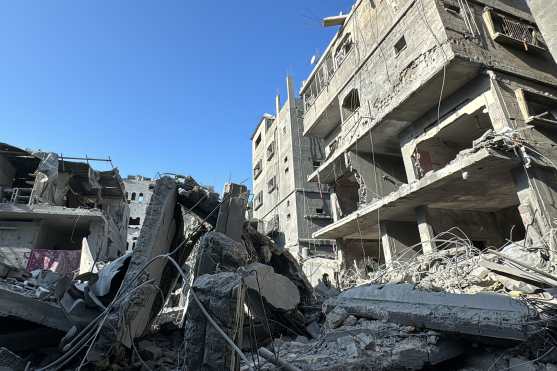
276	289
218	250
481	314
23	304
156	238
232	211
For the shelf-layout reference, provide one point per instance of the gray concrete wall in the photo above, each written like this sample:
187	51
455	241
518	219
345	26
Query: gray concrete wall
137	185
507	58
545	14
19	234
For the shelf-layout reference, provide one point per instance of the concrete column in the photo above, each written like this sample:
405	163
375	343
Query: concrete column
231	217
407	149
537	205
335	207
425	229
397	239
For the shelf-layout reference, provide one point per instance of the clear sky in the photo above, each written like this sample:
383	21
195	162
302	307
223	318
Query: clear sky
160	86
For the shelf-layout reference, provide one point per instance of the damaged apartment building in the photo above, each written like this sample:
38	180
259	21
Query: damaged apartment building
287	207
434	115
53	207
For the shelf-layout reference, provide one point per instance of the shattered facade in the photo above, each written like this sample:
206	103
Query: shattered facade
52	207
434	115
139	190
287	207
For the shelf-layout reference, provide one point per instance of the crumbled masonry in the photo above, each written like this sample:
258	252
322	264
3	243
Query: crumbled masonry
403	217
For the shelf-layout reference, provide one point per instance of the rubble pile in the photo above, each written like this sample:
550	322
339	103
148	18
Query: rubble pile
204	290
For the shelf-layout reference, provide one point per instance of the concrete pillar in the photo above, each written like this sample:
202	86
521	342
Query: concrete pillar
397	239
232	211
407	149
545	14
156	238
537	208
425	229
335	207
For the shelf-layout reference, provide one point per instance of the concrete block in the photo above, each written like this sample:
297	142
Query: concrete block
481	314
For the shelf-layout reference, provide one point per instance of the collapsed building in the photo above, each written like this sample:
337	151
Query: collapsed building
52	207
434	114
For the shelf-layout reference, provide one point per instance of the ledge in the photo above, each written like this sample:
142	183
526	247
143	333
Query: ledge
488	187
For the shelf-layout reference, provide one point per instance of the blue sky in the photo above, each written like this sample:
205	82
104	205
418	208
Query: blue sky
160	86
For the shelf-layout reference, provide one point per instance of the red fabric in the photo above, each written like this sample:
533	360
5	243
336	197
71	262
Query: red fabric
60	261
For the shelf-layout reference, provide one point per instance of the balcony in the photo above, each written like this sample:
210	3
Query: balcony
322	110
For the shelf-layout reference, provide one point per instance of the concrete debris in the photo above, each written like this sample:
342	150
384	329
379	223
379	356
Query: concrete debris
277	290
481	314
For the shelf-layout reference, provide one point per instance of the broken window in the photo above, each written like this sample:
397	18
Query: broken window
258	169
537	108
351	103
258	200
400	45
513	31
271	184
343	49
135	221
270	150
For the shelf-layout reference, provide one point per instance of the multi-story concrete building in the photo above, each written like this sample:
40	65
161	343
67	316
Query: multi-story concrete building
55	208
139	190
288	207
435	114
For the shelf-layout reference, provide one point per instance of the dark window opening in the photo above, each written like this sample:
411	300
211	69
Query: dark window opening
400	45
135	221
257	140
270	150
351	103
133	196
258	169
316	164
271	184
319	211
258	201
513	31
537	108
